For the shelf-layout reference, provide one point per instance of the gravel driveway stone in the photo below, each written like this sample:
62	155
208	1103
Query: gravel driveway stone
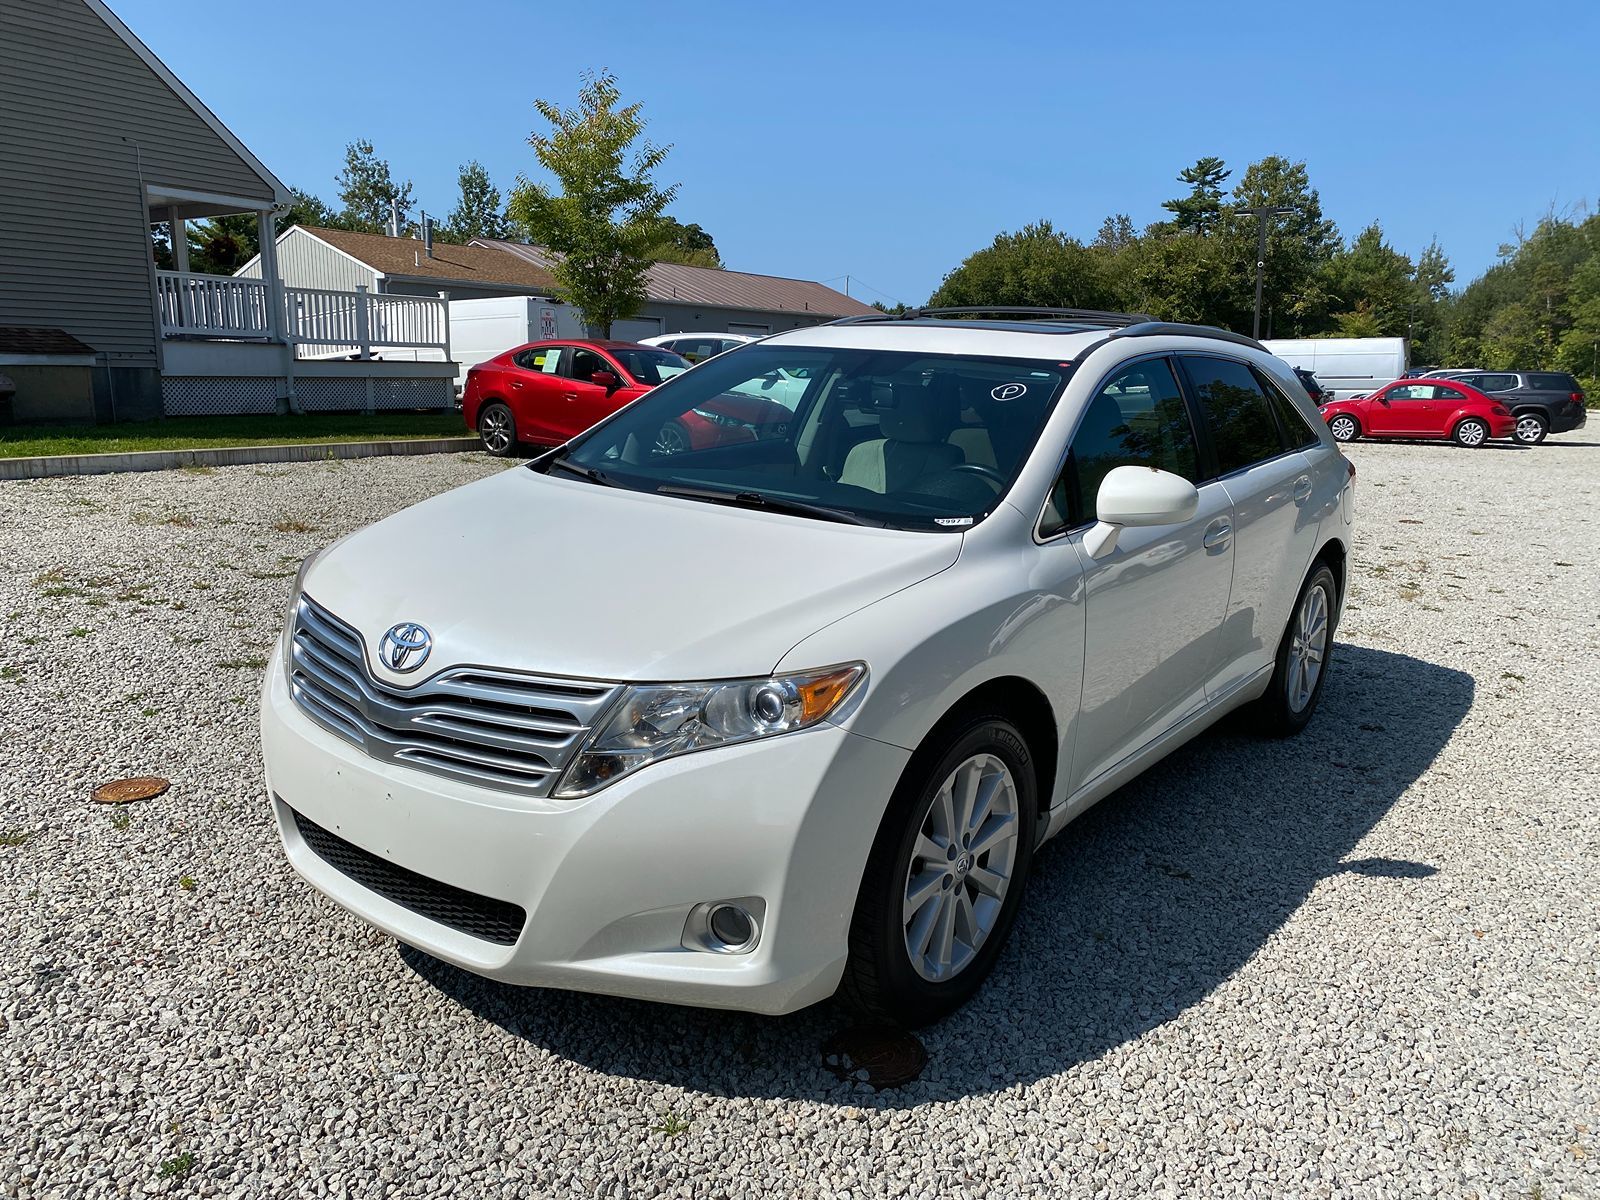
1358	963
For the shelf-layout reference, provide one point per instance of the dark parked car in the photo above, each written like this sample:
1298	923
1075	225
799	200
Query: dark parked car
1319	394
1543	402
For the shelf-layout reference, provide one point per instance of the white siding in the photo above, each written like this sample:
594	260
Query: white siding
307	261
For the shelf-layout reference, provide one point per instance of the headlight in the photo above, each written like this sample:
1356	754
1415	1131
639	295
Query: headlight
656	721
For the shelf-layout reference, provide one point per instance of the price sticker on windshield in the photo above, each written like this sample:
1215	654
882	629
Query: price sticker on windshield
1009	391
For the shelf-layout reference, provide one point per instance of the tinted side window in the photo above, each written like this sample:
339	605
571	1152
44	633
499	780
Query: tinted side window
585	363
1297	431
1553	383
1492	383
1243	429
1137	420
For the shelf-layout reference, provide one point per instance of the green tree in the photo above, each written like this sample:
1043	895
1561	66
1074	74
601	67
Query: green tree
1034	266
367	189
605	219
1372	287
1300	245
477	213
687	244
1201	210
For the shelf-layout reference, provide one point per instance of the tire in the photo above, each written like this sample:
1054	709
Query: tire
673	439
1471	433
497	430
1289	704
882	981
1344	428
1532	428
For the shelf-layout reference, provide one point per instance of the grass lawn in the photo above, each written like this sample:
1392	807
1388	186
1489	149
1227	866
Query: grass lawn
193	433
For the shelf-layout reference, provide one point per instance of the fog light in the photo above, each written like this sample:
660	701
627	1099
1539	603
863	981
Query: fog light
732	926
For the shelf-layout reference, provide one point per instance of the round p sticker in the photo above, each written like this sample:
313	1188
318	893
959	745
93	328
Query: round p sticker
1009	391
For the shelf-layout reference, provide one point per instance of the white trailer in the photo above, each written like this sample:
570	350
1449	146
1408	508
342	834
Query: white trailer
480	329
1345	366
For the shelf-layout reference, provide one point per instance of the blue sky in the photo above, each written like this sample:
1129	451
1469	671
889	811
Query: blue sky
889	141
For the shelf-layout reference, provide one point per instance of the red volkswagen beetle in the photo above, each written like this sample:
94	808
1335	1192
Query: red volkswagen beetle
1412	408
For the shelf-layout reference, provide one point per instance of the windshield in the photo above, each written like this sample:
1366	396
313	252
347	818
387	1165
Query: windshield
911	440
649	365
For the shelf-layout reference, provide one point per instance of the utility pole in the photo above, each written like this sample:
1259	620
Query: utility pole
1262	213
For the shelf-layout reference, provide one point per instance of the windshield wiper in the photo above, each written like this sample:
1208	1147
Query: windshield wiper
760	500
589	473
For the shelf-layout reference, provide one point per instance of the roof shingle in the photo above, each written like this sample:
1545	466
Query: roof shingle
715	288
478	264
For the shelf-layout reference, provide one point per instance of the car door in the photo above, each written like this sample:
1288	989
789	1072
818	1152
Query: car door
535	392
585	402
1154	604
1268	479
1406	410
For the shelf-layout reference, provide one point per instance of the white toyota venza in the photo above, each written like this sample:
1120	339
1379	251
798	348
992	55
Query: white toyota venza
784	706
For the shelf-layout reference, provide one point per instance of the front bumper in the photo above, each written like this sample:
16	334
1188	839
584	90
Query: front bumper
607	883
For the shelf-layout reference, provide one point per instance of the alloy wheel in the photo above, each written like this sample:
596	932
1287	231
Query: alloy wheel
1471	433
961	867
1308	647
671	439
1343	429
1530	429
495	429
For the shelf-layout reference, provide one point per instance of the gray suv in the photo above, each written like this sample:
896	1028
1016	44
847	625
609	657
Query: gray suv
1544	402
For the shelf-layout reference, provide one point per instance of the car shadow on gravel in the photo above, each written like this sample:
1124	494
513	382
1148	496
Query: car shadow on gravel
1134	914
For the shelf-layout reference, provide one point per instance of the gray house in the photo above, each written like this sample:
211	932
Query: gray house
310	256
99	142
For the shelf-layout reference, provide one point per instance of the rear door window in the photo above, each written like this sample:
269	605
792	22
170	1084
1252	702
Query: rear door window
1243	429
1492	383
1297	431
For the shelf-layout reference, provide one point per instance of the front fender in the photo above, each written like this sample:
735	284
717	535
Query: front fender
1007	608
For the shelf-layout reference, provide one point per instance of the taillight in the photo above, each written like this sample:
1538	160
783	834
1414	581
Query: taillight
1577	398
1500	410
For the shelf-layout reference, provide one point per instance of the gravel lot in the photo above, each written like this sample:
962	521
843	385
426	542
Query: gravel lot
1358	963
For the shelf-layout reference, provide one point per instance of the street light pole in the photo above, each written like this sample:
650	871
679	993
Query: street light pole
1262	213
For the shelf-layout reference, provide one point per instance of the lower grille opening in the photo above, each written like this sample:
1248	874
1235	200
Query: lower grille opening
466	912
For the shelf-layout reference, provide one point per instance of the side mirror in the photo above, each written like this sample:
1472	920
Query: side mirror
1138	496
605	379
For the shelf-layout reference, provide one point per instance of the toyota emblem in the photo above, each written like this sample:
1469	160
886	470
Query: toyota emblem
405	647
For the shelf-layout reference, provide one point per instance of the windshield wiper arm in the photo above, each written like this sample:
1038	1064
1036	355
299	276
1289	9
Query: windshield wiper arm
589	473
760	500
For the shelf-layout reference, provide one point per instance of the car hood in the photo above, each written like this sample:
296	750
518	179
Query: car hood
564	577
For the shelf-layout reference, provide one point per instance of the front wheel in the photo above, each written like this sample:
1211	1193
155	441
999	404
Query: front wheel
1471	433
673	438
1531	428
945	877
1302	663
497	430
1344	428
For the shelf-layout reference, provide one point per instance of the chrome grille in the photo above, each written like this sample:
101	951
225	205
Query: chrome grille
488	727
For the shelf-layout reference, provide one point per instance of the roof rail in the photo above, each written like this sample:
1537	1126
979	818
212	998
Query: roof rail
1079	316
1179	329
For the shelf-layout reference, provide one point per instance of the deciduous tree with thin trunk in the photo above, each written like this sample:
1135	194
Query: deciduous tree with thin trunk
604	214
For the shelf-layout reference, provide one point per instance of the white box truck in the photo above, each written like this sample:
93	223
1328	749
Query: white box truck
480	329
1345	366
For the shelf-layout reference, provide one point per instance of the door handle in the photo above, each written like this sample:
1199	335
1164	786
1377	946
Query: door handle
1302	488
516	383
1218	535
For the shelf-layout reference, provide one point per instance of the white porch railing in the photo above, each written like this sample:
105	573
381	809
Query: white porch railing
212	305
318	322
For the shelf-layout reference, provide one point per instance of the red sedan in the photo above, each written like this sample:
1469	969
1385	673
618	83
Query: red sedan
547	393
1410	408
